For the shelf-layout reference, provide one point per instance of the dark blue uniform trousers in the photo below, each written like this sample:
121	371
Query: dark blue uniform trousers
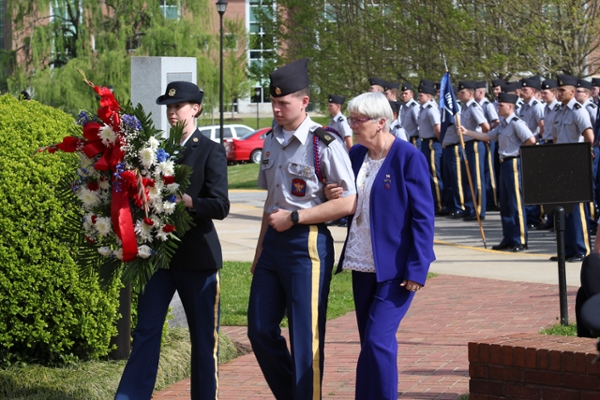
293	272
416	141
380	306
432	150
475	151
199	291
512	210
490	176
577	239
451	158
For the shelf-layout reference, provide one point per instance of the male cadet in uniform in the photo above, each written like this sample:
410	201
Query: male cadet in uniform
496	90
532	113
409	113
396	128
510	135
491	115
390	90
377	85
452	154
429	132
551	108
338	121
472	118
595	89
294	255
572	125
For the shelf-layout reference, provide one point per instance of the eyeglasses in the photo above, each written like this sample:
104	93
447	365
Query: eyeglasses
354	121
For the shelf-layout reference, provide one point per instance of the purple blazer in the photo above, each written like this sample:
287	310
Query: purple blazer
402	214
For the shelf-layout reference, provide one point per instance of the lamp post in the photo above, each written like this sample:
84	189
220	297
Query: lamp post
257	97
221	7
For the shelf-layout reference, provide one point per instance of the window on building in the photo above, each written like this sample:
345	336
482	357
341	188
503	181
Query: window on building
170	9
261	44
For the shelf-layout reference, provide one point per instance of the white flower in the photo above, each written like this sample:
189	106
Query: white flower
143	230
162	235
154	193
87	222
144	251
166	168
104	184
118	253
157	206
153	143
104	226
173	187
107	135
88	198
147	156
85	161
105	251
169	207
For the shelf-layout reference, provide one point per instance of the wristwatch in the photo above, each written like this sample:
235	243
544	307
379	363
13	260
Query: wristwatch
295	218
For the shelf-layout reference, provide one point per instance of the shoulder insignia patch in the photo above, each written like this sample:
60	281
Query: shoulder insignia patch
515	119
475	104
269	132
592	105
324	136
341	118
535	102
577	106
429	106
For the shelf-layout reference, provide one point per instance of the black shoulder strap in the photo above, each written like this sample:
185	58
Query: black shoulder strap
325	136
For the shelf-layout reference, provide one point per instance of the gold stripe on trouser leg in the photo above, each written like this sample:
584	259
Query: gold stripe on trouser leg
592	211
216	334
313	253
584	228
459	177
436	182
492	176
515	167
478	173
413	140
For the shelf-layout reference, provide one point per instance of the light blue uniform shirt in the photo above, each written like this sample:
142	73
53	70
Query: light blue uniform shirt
429	116
471	117
532	113
510	135
287	170
570	123
340	124
550	112
408	115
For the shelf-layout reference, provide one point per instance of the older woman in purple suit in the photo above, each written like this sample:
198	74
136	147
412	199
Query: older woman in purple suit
390	240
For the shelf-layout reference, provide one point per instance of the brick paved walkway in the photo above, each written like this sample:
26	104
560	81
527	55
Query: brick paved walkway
433	337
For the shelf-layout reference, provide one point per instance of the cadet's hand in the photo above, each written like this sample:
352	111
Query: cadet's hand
333	191
463	130
411	285
281	220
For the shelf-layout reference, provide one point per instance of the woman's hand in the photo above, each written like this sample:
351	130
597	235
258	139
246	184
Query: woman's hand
333	191
411	286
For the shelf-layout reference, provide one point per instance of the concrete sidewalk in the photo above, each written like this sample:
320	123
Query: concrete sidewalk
478	294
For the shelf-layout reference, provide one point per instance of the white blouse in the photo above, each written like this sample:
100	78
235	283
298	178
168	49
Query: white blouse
359	250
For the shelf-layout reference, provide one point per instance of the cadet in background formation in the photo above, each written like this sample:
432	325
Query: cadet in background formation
491	115
377	85
409	113
396	128
338	121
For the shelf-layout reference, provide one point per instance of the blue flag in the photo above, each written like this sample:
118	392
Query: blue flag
448	105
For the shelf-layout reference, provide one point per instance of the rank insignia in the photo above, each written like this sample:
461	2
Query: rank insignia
267	154
195	139
277	91
172	92
298	187
265	161
328	138
307	172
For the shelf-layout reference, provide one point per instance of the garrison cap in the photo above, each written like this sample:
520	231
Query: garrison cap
596	81
497	82
289	79
466	85
507	98
511	87
566	80
395	105
181	92
426	86
391	85
377	81
333	98
585	84
406	86
549	84
480	85
533	82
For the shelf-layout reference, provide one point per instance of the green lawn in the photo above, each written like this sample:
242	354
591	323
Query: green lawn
242	176
263	122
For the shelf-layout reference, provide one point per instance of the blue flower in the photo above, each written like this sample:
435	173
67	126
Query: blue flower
132	122
162	155
172	198
83	118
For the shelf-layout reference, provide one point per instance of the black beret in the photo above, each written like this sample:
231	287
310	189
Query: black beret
585	84
395	105
549	84
336	99
596	81
391	85
497	82
511	87
533	82
426	86
480	85
406	86
566	80
290	78
377	81
466	85
507	98
181	92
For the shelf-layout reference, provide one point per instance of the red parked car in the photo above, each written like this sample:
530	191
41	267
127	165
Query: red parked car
247	148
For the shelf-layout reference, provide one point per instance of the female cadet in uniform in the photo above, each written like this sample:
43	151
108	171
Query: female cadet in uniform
390	242
194	269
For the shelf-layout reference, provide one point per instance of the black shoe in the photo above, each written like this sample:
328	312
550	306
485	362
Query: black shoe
457	214
554	258
532	226
545	226
517	248
343	224
492	208
442	212
576	258
502	246
473	217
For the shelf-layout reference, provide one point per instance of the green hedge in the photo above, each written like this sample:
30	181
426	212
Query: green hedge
48	314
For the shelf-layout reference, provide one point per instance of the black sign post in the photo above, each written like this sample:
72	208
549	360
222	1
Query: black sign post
558	176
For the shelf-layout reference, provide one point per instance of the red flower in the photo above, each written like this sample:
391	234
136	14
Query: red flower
147	182
168	179
89	239
94	218
129	178
93	186
148	221
69	144
168	228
